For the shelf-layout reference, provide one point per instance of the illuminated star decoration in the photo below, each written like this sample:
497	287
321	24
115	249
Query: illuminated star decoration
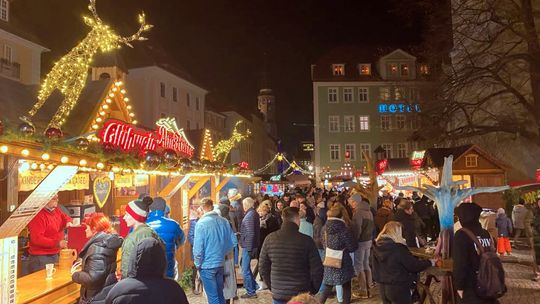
224	147
69	74
207	149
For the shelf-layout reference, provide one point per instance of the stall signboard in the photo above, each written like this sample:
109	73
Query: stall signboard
140	180
102	190
8	270
417	159
123	180
127	137
29	180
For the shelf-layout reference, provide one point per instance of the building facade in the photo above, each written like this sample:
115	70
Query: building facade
215	122
20	51
363	101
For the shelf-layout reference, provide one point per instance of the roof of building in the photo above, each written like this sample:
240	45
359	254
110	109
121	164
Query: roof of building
437	155
20	98
17	28
352	56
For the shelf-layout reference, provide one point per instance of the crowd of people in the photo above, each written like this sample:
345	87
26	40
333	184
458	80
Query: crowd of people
309	241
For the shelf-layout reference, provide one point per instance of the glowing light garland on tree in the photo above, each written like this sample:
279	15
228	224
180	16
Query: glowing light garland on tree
224	147
69	74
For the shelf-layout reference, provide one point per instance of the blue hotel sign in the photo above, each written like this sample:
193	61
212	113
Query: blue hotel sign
399	108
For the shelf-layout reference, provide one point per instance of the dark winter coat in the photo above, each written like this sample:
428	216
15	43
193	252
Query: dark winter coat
383	216
424	208
250	230
409	226
145	281
98	269
318	231
290	263
268	225
338	237
362	225
393	264
466	259
504	225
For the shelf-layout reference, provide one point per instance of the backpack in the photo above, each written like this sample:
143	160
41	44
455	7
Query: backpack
490	275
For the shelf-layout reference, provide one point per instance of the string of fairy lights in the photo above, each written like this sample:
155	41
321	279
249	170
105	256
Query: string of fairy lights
293	166
224	147
69	74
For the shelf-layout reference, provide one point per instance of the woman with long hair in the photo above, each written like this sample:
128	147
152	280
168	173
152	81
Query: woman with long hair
98	259
394	267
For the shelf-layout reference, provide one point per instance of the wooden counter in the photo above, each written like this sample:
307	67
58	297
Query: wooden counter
35	288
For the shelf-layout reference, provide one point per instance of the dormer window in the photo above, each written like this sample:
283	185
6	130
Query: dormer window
404	69
424	69
4	10
393	69
471	161
365	69
338	69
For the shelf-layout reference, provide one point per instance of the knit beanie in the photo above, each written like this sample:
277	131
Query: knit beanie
138	209
158	204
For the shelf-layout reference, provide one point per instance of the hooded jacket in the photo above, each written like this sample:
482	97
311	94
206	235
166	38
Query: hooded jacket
519	213
393	264
383	216
464	254
504	225
290	263
170	233
145	282
98	267
362	222
142	232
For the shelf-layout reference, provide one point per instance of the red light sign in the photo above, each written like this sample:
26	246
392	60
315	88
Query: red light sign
128	138
381	166
538	175
243	165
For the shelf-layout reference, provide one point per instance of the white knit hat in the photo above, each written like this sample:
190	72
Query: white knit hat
138	209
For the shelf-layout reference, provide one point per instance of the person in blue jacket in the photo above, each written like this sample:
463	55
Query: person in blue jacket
168	230
214	239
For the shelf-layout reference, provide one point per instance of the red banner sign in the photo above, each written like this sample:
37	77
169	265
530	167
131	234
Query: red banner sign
129	138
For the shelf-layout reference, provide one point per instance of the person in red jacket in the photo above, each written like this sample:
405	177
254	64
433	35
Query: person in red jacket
47	235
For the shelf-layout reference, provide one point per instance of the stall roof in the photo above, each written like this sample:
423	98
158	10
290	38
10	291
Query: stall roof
437	155
19	98
398	164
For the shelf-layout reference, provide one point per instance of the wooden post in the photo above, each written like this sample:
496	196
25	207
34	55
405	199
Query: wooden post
200	183
153	185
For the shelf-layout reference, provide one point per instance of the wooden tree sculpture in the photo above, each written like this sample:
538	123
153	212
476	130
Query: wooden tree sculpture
370	190
69	74
224	147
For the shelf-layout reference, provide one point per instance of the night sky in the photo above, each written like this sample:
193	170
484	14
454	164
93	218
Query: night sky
222	43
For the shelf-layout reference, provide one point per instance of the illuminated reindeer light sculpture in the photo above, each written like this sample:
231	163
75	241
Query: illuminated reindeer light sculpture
69	74
224	147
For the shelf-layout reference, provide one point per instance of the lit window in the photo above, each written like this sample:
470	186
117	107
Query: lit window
365	69
364	123
4	10
471	161
348	95
175	94
338	69
351	148
363	94
424	69
387	150
348	123
402	150
385	122
333	123
393	69
162	89
365	149
384	93
8	54
335	152
188	100
332	95
404	69
400	122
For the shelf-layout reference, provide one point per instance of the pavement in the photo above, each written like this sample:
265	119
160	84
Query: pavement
521	289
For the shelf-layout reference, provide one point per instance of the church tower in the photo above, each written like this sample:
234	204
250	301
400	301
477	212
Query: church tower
267	103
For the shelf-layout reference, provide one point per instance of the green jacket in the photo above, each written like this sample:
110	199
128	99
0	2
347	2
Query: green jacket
130	243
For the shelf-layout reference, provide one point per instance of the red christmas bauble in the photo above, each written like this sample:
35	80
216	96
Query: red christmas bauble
54	133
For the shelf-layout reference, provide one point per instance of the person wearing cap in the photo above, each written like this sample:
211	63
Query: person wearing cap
464	254
168	230
47	235
249	241
135	217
